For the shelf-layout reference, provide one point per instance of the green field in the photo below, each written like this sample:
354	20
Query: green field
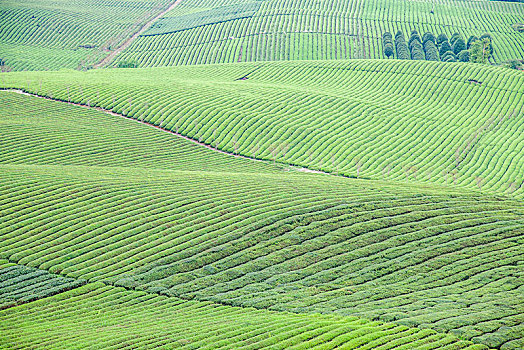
197	224
229	31
128	320
257	174
340	117
54	34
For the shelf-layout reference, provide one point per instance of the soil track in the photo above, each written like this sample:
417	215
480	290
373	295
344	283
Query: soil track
129	41
301	169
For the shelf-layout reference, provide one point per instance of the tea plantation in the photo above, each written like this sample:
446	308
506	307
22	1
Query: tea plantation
262	174
197	224
343	117
53	34
203	32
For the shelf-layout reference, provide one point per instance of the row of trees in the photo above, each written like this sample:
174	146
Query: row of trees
441	48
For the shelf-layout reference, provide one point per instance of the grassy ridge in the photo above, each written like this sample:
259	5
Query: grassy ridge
318	30
51	34
414	255
375	119
100	316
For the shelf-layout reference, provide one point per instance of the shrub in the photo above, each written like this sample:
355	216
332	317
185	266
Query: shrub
431	51
463	56
441	38
127	64
515	64
471	40
459	45
443	48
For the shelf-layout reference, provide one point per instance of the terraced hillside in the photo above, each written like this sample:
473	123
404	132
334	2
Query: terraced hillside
53	34
106	317
21	284
140	208
364	118
228	31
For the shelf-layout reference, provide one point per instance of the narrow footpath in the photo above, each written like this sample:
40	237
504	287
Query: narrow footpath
129	41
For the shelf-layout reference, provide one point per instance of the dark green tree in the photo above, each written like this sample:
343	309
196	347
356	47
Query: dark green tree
401	47
417	51
127	64
471	40
428	36
388	50
387	41
454	38
488	36
441	38
444	47
480	51
459	45
445	57
431	51
463	56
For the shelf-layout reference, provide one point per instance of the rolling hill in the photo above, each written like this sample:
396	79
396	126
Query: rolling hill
232	231
255	174
342	117
54	34
207	32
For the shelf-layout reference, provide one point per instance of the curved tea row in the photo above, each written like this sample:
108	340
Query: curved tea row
414	255
447	123
106	317
314	30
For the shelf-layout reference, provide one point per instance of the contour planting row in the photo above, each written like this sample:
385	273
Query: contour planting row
288	241
305	30
21	284
154	213
57	34
96	315
415	262
36	131
457	124
303	243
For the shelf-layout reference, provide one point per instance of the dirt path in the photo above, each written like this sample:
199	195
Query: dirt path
301	169
129	41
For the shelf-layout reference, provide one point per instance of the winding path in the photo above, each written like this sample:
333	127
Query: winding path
129	41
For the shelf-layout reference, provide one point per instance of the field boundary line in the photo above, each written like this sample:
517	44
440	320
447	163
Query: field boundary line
106	60
107	111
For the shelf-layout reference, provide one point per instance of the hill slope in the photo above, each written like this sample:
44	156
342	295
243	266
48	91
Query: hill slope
203	32
53	34
106	317
215	230
369	118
